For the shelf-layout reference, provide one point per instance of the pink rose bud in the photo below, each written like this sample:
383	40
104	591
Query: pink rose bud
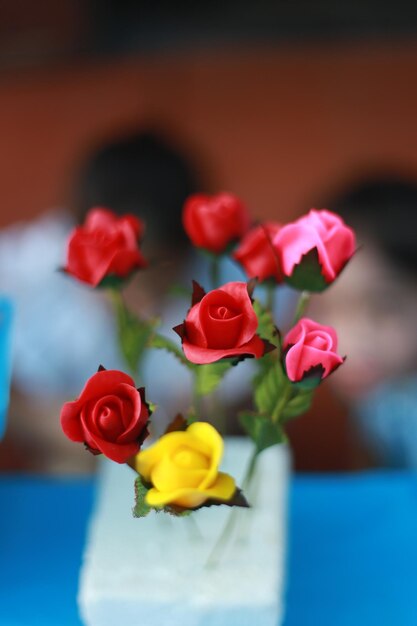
311	351
313	250
257	255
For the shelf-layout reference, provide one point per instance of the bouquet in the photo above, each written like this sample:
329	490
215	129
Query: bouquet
224	324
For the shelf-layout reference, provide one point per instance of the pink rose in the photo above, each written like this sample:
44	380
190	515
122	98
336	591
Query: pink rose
257	255
221	324
321	233
311	348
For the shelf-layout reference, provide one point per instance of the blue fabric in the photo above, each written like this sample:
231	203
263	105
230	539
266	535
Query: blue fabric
42	533
353	551
352	558
5	359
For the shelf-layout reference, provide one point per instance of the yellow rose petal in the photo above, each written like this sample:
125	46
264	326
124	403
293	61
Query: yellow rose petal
206	432
187	498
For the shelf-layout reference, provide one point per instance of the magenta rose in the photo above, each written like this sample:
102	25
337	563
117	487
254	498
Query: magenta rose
110	416
257	255
310	349
314	249
221	324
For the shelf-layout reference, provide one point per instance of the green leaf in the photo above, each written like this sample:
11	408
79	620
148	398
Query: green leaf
307	275
163	343
266	327
141	508
299	404
209	376
269	387
263	432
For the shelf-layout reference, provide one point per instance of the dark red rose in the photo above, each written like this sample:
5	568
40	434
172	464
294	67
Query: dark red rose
311	348
110	416
221	324
213	222
257	255
104	245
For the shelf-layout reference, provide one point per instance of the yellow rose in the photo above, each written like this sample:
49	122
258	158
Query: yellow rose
183	468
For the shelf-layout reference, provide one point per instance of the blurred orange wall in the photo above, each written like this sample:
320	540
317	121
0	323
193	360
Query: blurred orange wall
280	127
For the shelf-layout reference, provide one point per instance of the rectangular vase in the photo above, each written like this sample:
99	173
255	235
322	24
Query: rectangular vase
156	571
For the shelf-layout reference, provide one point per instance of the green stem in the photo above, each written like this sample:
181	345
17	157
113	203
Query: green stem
214	272
301	305
228	528
270	297
279	407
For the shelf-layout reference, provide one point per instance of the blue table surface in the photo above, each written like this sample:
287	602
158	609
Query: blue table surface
352	556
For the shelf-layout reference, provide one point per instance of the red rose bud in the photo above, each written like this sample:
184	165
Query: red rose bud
214	222
110	416
105	245
257	255
314	249
310	351
221	324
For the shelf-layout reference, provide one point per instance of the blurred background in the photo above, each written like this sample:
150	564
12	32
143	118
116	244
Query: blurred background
289	105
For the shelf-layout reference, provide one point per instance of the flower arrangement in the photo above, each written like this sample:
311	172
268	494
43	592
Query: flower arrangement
179	473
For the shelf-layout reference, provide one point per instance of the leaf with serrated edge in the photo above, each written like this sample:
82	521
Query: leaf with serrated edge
266	327
162	343
209	376
263	432
269	386
141	508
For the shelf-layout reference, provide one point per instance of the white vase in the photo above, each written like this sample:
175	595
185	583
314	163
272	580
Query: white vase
152	571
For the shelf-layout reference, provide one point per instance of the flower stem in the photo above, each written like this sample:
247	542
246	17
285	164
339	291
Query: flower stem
214	272
280	406
228	528
270	297
301	305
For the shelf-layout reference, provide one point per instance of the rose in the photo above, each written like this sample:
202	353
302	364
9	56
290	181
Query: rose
221	324
213	222
182	468
256	253
105	245
313	250
110	416
310	351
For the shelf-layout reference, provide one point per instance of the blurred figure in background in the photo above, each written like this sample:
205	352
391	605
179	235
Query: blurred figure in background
374	308
64	329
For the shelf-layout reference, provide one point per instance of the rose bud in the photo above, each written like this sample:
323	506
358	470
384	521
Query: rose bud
313	250
110	416
310	351
221	324
257	255
214	222
182	468
105	245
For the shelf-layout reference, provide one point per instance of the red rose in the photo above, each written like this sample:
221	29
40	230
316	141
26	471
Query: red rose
213	222
110	416
310	345
106	244
221	324
322	233
256	253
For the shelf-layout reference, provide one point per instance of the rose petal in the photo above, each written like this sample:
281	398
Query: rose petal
103	382
70	421
255	347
